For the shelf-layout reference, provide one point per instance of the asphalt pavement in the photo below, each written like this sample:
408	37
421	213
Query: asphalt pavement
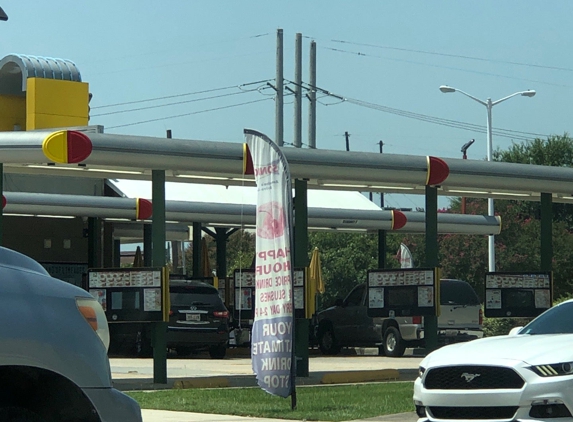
198	371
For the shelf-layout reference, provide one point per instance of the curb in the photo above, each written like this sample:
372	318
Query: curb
360	376
208	382
243	381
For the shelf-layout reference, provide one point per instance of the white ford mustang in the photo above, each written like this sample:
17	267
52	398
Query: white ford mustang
526	376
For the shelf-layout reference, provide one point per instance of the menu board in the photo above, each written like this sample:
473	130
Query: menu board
244	287
523	295
131	294
403	292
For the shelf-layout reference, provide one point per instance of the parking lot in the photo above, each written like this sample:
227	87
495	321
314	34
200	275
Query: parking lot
237	366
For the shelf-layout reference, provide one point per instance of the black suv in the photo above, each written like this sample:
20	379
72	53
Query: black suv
198	320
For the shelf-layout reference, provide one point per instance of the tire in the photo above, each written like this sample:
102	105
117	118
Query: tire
327	342
18	414
218	352
393	343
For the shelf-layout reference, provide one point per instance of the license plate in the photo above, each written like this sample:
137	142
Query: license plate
193	317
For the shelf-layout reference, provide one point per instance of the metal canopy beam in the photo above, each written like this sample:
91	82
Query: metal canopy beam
131	157
238	215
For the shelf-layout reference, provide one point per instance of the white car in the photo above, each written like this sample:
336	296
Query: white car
525	376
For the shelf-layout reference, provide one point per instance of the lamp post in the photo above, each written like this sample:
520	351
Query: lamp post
489	105
465	157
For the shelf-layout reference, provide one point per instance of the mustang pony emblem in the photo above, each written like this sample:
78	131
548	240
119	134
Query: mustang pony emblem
469	377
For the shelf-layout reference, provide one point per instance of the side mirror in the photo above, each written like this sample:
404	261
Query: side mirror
338	302
514	331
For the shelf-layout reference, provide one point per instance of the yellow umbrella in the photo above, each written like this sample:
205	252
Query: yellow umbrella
315	271
138	259
205	265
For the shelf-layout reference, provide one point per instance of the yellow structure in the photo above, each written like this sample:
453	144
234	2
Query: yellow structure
12	112
54	103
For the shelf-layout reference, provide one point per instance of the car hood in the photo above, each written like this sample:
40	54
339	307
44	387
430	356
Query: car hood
531	349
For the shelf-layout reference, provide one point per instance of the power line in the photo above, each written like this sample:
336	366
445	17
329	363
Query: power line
507	133
188	114
444	67
456	56
170	104
181	95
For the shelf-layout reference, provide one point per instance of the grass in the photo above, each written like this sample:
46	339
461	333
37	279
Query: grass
318	403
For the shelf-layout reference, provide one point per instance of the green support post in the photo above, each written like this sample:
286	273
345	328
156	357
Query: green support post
546	232
301	260
159	329
431	322
94	242
1	193
381	248
147	242
197	250
117	253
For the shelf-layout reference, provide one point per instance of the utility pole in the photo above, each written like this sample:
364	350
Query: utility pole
347	136
279	86
298	91
312	97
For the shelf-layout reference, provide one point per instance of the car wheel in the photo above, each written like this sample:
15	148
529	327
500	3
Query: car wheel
393	344
18	414
218	352
327	342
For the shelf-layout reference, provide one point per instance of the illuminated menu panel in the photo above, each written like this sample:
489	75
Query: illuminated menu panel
517	294
403	292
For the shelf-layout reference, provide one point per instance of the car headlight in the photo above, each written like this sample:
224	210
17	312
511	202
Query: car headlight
93	313
553	370
421	371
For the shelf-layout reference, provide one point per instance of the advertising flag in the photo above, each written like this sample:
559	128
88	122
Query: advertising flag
405	257
272	351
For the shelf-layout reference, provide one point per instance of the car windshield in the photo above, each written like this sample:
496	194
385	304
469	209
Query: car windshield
455	292
556	320
188	296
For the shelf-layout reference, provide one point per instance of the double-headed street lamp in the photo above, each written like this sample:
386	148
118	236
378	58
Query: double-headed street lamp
489	105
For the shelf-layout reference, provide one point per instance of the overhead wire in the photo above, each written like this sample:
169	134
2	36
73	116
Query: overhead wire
507	133
189	114
456	56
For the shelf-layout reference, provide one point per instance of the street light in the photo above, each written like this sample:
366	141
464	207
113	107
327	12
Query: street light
489	105
3	15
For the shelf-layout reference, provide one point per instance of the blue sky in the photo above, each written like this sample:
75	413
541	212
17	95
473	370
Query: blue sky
392	56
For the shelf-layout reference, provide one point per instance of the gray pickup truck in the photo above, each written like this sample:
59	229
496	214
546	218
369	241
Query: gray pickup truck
53	350
347	324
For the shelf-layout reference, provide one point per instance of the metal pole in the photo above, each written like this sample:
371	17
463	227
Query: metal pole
381	233
431	322
1	194
279	104
300	261
159	341
312	98
298	91
490	208
546	232
347	137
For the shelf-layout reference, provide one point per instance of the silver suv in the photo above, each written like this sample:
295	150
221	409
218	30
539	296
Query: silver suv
347	324
53	350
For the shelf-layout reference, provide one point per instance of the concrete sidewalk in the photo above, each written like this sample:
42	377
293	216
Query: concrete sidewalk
167	416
